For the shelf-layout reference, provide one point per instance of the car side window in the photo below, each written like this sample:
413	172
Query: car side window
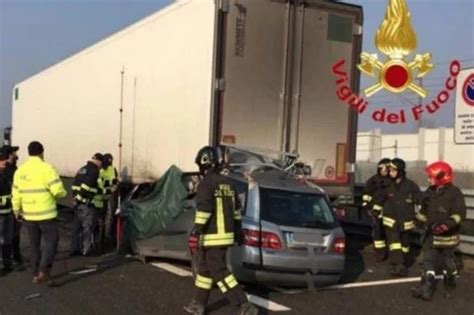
242	189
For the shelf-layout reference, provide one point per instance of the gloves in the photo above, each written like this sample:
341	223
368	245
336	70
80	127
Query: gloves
193	242
438	229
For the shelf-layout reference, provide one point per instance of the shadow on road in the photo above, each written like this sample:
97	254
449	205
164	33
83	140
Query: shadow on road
354	264
69	276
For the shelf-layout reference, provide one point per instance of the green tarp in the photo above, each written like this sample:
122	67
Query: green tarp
150	215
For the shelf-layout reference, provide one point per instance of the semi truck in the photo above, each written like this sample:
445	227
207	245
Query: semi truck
254	73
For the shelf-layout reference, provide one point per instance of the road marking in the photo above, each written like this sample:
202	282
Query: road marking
267	304
175	270
375	283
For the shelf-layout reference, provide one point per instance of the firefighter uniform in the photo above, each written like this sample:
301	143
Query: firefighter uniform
398	201
85	190
442	212
6	216
217	217
374	185
217	224
36	187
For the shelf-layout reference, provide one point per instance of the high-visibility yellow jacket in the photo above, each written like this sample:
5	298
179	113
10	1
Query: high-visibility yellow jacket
36	186
108	179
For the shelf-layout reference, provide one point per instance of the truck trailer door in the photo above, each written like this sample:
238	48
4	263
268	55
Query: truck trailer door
251	101
322	127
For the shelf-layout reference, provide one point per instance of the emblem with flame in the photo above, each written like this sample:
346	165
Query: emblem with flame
396	38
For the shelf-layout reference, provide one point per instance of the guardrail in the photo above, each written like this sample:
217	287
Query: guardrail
467	241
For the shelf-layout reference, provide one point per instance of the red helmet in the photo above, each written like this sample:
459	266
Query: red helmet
441	172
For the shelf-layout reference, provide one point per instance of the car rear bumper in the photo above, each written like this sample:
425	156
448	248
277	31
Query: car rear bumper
283	279
329	273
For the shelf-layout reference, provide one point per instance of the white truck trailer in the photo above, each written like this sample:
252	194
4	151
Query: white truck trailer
249	72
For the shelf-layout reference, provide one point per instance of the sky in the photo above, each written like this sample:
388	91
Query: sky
35	34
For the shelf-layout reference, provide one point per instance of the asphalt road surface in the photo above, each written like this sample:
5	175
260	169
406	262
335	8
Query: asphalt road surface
121	285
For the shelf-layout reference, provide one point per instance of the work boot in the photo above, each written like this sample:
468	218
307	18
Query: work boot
417	291
426	288
247	309
195	308
449	284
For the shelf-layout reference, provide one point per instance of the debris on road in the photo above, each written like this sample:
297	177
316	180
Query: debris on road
83	271
32	296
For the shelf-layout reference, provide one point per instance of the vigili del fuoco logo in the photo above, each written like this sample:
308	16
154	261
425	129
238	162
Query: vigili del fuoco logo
393	72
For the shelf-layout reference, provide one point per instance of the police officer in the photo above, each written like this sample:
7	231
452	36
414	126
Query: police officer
398	201
442	212
375	184
110	182
85	188
6	214
36	186
217	221
11	151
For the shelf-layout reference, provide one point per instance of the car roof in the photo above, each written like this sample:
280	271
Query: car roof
274	178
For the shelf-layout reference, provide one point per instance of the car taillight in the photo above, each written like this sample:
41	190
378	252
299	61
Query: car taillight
251	237
339	245
261	239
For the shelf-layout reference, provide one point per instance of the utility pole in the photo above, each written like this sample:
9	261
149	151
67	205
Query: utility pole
396	148
420	102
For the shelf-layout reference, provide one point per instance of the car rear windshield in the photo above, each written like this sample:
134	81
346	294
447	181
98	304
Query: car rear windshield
296	210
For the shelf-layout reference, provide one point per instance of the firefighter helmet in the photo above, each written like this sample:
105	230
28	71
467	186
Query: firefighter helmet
207	158
399	165
441	172
382	165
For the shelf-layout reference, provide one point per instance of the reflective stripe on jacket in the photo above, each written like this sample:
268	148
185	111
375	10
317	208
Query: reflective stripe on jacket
444	205
5	192
36	186
218	210
107	179
399	201
86	186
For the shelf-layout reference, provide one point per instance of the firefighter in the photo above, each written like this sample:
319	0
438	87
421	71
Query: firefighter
85	189
11	169
6	214
376	183
398	201
217	221
442	212
36	186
